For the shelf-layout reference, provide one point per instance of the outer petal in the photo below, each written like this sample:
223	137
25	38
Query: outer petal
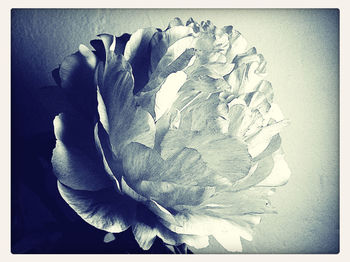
261	140
257	173
78	170
148	225
76	75
75	160
280	173
105	209
231	241
144	235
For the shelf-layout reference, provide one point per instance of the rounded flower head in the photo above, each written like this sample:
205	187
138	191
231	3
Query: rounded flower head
173	133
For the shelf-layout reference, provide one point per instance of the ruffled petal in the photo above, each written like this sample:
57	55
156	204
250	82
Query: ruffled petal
169	76
204	113
161	41
105	209
147	173
231	164
261	140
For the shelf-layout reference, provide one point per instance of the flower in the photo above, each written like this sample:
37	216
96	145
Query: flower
173	133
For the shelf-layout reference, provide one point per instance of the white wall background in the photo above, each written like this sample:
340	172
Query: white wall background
301	48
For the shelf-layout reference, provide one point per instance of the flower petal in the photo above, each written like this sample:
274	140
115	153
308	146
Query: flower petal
142	163
150	224
105	42
75	160
147	173
161	42
205	113
231	241
127	122
77	169
280	173
105	209
162	79
144	235
75	130
171	194
204	225
261	140
231	164
262	170
138	54
238	45
254	200
77	80
112	165
167	94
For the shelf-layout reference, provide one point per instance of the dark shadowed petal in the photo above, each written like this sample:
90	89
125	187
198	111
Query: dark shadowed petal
75	160
105	39
104	209
157	209
138	53
76	130
77	169
77	79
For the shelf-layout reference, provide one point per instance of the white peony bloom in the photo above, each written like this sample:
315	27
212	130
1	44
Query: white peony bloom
173	133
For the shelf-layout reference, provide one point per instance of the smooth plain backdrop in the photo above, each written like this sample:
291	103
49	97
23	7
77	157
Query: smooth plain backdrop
302	51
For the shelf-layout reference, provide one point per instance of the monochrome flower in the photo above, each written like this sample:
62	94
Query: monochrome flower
173	133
